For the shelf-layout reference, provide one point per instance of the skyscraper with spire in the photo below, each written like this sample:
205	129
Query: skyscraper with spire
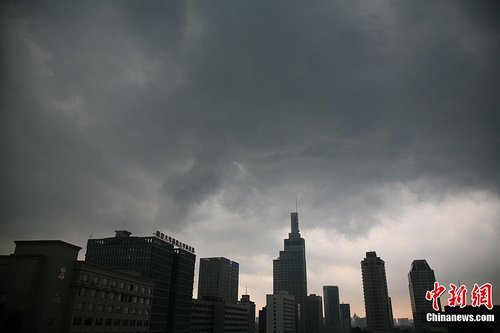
289	270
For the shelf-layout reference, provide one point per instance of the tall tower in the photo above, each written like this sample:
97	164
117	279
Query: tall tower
420	279
332	308
218	277
377	303
289	270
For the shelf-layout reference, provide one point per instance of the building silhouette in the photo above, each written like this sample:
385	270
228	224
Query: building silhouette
280	313
289	270
212	315
314	314
376	295
162	258
48	291
250	306
262	320
218	277
421	278
345	317
332	309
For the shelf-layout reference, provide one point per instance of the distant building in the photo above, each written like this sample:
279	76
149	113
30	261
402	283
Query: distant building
358	322
421	278
250	306
289	270
213	315
218	277
376	296
262	320
47	291
280	313
345	317
314	314
168	262
332	309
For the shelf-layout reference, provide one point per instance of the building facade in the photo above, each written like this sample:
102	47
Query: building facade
376	295
47	290
280	313
213	315
314	314
289	270
250	306
218	277
332	309
168	262
420	279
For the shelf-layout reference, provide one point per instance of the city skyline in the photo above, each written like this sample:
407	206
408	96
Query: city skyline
205	122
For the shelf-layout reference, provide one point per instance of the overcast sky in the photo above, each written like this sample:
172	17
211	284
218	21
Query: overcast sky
205	119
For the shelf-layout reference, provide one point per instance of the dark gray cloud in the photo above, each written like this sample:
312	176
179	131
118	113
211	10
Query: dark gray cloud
139	115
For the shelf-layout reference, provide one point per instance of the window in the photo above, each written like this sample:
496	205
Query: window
77	321
98	322
116	322
90	307
85	277
88	321
79	306
82	292
100	308
125	322
107	322
104	282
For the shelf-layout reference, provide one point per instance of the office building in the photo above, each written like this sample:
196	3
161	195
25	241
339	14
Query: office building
289	270
212	315
345	317
376	295
262	320
314	314
218	277
421	278
250	306
280	313
167	261
332	309
47	291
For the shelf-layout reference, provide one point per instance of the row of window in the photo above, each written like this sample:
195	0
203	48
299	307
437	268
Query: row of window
90	307
105	282
89	321
113	296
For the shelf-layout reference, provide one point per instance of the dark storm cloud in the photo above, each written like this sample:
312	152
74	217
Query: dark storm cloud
133	114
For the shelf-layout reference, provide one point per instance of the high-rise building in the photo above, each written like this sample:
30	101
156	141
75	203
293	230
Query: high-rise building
289	270
345	317
376	295
421	278
332	308
250	306
167	261
218	277
314	314
280	313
